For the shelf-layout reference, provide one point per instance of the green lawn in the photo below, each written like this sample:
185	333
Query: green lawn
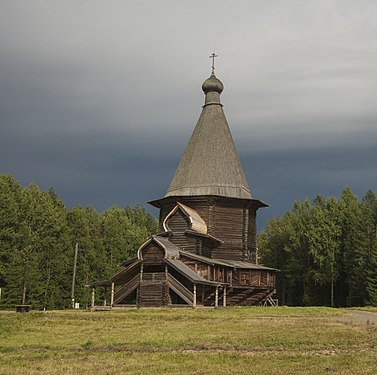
247	340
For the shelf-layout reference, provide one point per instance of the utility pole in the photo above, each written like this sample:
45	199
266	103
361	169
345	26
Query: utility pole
74	277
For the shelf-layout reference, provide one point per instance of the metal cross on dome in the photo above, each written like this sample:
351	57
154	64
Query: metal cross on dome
213	56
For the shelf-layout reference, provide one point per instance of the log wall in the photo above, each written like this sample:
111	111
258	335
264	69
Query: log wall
252	235
228	226
206	250
153	254
199	204
231	220
178	222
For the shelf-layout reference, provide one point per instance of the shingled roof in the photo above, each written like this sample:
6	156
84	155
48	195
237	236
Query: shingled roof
210	164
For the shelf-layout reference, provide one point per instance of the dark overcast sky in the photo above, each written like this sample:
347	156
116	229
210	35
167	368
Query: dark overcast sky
99	98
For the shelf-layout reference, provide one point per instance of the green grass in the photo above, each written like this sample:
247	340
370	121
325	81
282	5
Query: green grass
248	340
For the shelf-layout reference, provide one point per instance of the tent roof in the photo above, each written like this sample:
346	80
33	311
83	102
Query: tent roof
210	164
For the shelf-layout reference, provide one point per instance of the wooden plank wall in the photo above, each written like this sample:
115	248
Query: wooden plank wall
197	266
153	254
206	250
264	278
178	224
245	234
199	204
230	220
253	278
229	228
252	235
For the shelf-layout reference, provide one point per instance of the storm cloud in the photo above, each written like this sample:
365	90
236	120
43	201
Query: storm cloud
98	99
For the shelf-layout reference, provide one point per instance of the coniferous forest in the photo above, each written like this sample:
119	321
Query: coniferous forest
326	249
37	245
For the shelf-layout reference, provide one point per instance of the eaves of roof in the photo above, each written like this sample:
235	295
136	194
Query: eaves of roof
186	271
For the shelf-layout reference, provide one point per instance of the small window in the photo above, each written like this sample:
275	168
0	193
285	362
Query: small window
244	278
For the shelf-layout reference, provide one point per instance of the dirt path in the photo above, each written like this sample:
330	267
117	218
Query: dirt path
362	316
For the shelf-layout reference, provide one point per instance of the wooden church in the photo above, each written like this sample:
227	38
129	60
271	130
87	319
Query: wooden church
205	253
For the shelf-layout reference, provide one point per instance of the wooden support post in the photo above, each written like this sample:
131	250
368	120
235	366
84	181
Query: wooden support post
203	294
141	272
194	302
93	296
74	277
217	297
209	273
112	294
105	297
224	297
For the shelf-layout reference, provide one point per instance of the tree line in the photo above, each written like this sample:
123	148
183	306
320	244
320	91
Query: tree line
326	250
37	245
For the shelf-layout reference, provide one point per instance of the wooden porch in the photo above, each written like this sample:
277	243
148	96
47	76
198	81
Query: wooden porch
169	289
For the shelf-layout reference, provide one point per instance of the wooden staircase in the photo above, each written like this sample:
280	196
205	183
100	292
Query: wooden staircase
248	297
152	294
126	289
180	289
153	290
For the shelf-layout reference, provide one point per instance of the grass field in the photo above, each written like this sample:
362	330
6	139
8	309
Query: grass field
248	340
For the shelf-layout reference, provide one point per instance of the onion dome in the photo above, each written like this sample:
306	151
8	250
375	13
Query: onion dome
212	84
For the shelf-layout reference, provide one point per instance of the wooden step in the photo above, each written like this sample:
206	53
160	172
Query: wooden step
151	293
126	289
247	297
